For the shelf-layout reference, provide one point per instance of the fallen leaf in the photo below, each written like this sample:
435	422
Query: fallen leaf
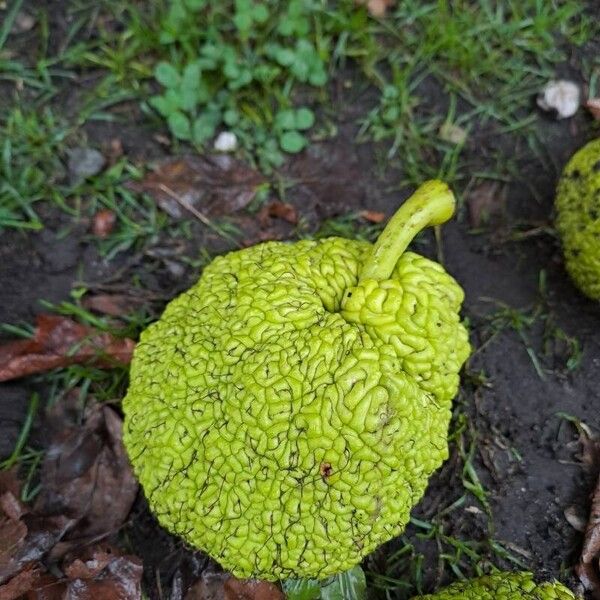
588	567
251	589
9	482
376	8
59	342
41	535
86	474
99	573
372	216
208	587
102	573
12	534
216	185
593	106
115	305
223	586
103	223
21	583
277	210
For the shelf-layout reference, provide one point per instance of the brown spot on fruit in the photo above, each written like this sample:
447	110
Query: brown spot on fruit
326	470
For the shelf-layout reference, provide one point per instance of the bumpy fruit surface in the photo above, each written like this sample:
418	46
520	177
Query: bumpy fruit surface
285	413
502	586
578	218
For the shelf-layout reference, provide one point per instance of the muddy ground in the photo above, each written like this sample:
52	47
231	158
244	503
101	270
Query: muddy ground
517	410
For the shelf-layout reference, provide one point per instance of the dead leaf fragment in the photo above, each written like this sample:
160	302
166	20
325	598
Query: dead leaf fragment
100	573
588	568
223	586
59	342
86	474
593	106
103	573
115	305
215	185
103	223
372	216
251	589
277	210
41	534
21	583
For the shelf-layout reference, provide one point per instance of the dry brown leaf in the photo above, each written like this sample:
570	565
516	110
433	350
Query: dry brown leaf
372	216
214	185
115	305
588	567
103	223
251	589
21	583
86	473
593	106
59	342
277	210
99	573
41	535
208	587
223	586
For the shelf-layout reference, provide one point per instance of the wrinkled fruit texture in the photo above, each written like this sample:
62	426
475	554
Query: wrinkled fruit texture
578	218
285	419
502	586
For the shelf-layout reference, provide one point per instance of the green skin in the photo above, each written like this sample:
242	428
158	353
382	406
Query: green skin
578	218
285	413
502	586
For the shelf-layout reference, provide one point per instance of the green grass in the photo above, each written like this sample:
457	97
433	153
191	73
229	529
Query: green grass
551	350
469	65
29	166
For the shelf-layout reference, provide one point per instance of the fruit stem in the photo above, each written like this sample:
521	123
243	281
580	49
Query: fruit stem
432	204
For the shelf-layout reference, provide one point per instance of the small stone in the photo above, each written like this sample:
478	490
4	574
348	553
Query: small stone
226	142
83	163
562	97
23	22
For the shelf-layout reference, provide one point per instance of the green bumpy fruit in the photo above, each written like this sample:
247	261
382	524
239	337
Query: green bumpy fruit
285	413
578	218
502	586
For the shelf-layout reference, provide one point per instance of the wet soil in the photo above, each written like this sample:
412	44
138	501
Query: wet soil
527	451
